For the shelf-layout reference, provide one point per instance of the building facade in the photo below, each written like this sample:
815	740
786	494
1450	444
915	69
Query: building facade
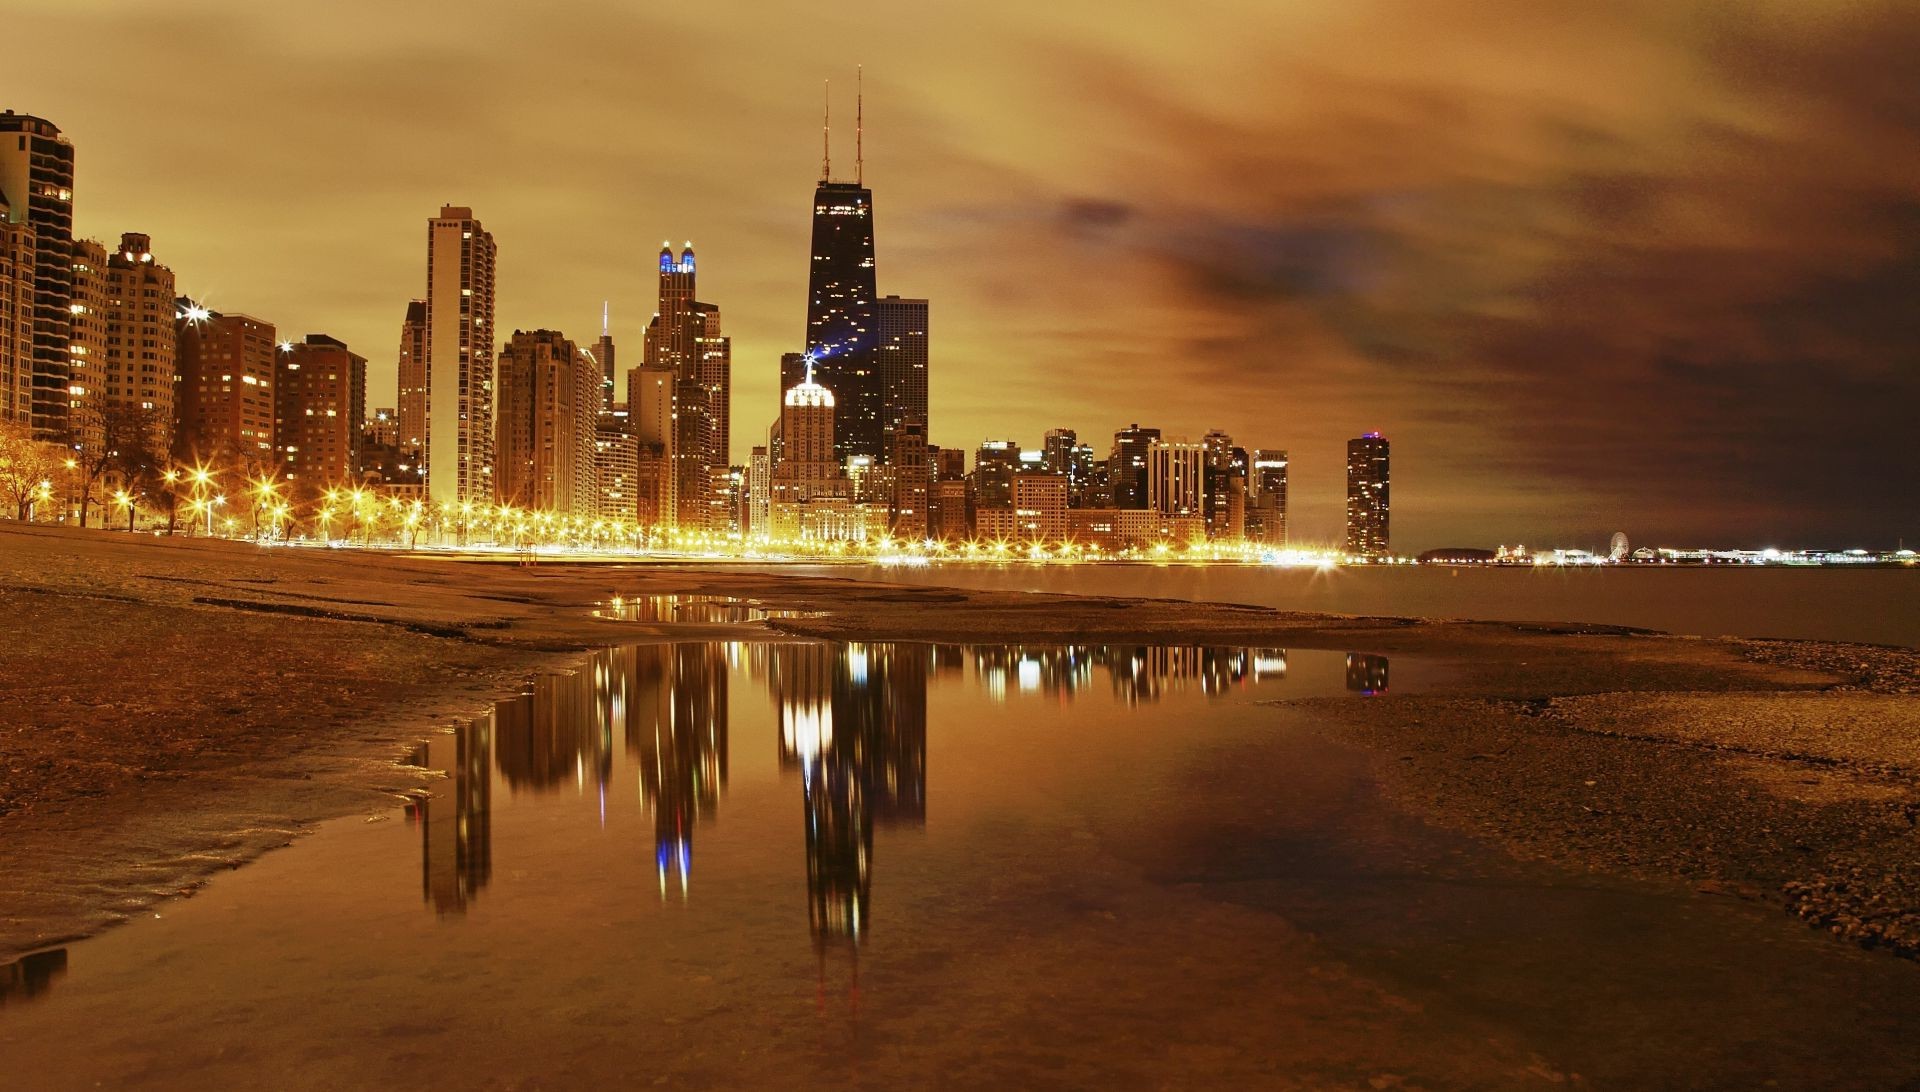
140	367
36	184
901	347
544	450
320	399
685	338
842	332
652	393
90	303
17	241
1040	507
994	466
1267	503
616	470
1176	477
411	412
457	452
1127	465
1367	496
810	497
224	405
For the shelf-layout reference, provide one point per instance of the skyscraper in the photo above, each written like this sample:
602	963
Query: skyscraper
36	185
604	354
994	465
842	332
1127	466
16	317
458	453
1367	507
549	402
902	325
90	300
412	410
320	398
1176	477
759	492
650	414
139	363
685	336
1269	504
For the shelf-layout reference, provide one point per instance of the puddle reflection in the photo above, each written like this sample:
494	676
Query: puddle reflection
31	975
852	722
1366	674
690	608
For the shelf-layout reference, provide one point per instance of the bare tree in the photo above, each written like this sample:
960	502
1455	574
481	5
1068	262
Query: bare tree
127	438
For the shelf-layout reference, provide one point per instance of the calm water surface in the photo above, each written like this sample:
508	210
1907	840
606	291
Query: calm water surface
1876	606
726	864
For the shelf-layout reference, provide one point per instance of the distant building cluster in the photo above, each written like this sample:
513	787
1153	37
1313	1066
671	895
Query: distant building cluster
99	350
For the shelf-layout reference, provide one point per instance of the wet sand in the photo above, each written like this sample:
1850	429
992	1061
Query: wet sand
176	707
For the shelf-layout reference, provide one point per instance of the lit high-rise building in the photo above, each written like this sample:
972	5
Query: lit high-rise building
842	329
994	465
1176	477
807	425
223	409
17	242
1127	466
1367	507
139	366
616	469
36	187
808	479
412	410
320	397
902	351
1267	507
651	394
603	353
685	336
759	492
90	302
458	453
910	471
549	404
1040	506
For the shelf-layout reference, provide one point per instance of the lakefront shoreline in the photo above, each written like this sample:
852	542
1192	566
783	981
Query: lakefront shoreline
178	706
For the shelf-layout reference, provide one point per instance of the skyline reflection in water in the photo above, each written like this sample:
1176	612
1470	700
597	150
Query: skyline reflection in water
852	735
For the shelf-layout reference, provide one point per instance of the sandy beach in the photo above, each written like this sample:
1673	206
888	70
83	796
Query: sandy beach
175	707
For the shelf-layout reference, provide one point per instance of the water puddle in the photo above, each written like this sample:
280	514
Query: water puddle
719	864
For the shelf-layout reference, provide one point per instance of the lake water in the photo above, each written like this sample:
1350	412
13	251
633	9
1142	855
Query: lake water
1875	606
890	865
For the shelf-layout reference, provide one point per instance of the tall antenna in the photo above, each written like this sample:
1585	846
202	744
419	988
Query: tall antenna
859	124
826	134
605	313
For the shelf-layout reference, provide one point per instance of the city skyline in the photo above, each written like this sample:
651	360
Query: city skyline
1304	288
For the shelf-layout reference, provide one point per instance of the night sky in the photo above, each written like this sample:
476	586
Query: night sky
1654	268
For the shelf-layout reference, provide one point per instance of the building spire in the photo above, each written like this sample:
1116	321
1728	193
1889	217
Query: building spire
826	134
859	125
606	310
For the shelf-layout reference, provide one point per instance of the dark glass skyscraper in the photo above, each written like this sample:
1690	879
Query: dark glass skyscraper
842	334
1127	466
902	326
1367	496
